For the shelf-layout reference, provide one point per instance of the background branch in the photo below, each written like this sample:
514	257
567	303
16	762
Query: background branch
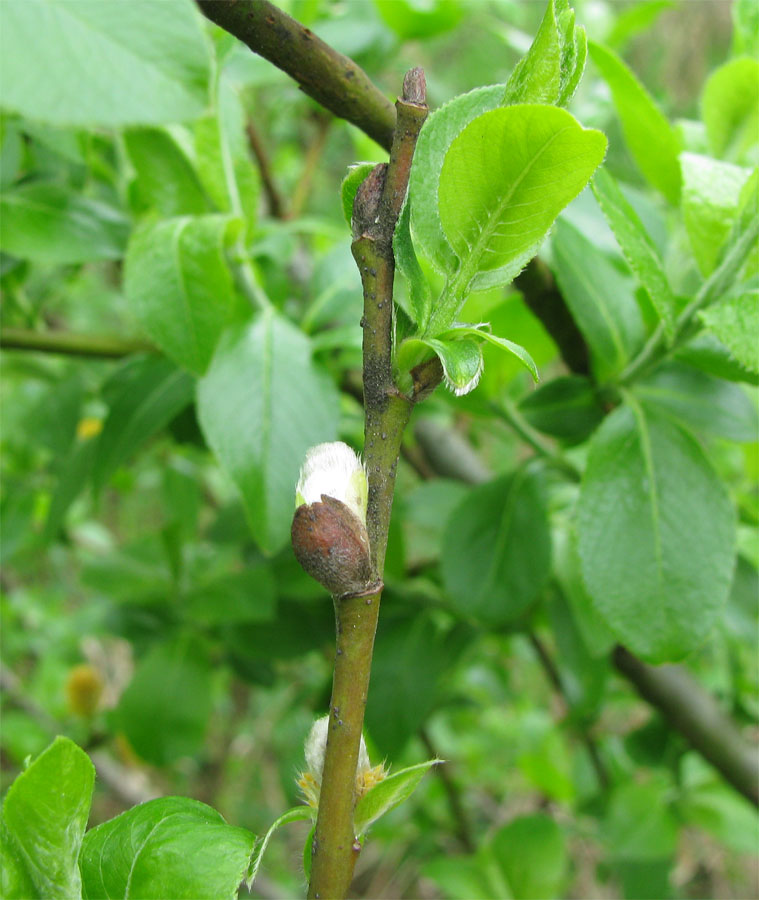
68	344
330	78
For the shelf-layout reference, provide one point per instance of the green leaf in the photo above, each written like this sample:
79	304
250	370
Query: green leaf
504	180
653	142
710	199
600	299
350	185
72	477
656	551
165	179
637	246
631	20
408	265
461	360
566	407
483	331
223	157
389	793
438	131
173	847
532	854
48	223
144	395
262	404
42	825
296	814
551	69
247	596
497	549
639	824
746	27
411	20
730	107
735	321
165	708
706	404
84	63
710	355
177	278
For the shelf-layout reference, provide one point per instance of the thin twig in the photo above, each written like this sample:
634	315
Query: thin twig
274	198
453	793
68	344
310	165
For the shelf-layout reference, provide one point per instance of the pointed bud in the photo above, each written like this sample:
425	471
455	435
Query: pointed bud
329	527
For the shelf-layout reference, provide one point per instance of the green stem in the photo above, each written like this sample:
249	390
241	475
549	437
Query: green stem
332	79
67	344
511	414
387	411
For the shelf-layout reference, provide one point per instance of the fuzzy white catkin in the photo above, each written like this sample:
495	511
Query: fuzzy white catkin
333	469
316	745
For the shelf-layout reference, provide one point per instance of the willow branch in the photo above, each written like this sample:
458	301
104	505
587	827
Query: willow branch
330	78
387	412
273	197
68	344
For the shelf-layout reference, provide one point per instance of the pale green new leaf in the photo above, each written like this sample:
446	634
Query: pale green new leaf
389	793
87	63
730	107
350	185
637	246
710	199
483	331
296	814
504	180
177	278
435	138
261	405
408	264
735	321
653	142
173	847
42	824
461	360
657	552
551	69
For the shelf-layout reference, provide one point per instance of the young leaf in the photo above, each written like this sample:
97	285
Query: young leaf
657	552
483	331
551	69
497	549
90	64
296	814
350	184
173	847
408	265
42	825
730	107
49	223
177	278
504	180
389	793
710	199
599	297
637	246
461	360
566	407
652	140
435	138
735	321
144	395
261	405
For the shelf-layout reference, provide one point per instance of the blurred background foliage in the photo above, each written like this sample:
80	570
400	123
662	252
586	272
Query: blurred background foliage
140	618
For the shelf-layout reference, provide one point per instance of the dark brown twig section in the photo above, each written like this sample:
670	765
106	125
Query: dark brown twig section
327	76
387	412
